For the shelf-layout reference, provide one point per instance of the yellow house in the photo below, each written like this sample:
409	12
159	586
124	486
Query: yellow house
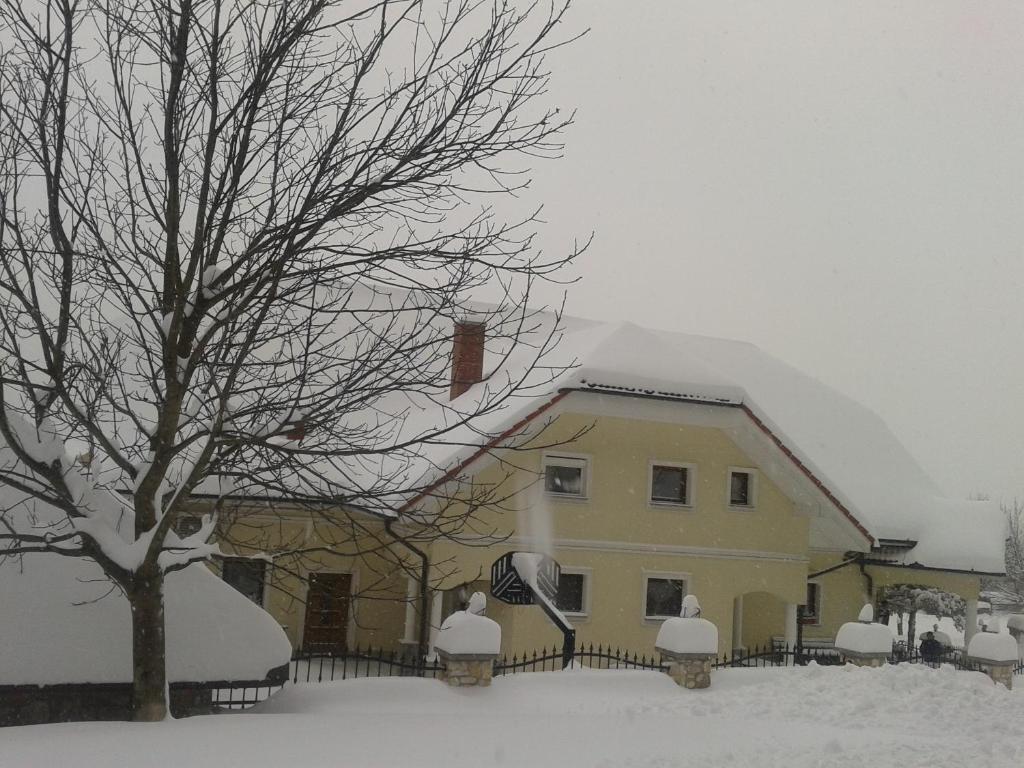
660	464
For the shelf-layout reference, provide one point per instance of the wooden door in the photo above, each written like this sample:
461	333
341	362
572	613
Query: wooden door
327	607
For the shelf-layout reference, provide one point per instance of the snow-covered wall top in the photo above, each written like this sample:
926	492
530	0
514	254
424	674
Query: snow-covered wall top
71	627
845	445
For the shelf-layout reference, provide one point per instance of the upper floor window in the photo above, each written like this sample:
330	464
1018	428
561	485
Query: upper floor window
565	476
742	487
187	525
672	483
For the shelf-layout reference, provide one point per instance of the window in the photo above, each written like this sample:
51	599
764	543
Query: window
812	608
672	484
565	476
572	597
742	488
663	597
187	526
246	576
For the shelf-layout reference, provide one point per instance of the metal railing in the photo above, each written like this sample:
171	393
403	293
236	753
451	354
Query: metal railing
602	657
320	667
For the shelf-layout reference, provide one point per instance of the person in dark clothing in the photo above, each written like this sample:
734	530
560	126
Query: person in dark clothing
931	650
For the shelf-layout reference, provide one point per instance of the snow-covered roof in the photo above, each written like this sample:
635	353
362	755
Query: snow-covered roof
843	444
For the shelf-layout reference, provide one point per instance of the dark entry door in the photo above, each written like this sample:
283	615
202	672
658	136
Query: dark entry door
327	606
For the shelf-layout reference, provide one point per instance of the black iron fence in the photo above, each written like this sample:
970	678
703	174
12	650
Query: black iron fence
602	657
319	667
316	667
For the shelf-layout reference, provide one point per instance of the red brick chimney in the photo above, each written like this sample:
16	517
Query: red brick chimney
467	355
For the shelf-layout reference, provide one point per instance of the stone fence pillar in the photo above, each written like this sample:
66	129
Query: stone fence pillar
690	644
467	668
863	642
995	652
468	644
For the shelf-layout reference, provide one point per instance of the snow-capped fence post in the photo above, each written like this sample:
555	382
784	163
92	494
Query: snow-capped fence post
995	652
468	645
690	644
863	642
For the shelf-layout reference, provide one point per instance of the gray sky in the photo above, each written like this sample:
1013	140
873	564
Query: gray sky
840	183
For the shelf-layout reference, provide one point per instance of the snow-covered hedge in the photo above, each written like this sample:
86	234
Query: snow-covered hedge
73	626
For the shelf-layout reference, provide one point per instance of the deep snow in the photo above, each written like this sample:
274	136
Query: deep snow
905	716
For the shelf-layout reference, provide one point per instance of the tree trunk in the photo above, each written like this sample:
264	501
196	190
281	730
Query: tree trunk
911	627
149	681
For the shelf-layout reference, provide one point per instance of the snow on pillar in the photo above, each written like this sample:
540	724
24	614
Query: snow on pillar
737	623
791	625
468	644
971	621
689	643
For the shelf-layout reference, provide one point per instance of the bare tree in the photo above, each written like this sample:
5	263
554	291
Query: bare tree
232	239
1009	590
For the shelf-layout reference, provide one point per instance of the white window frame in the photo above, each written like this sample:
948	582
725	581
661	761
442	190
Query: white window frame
821	592
648	575
752	489
582	461
691	485
588	575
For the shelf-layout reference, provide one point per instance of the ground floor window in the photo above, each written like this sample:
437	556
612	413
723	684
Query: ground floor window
663	596
246	576
571	598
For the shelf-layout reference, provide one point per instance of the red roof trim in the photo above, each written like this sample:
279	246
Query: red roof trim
492	443
810	475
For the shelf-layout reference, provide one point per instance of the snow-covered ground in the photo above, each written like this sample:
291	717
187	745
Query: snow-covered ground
907	716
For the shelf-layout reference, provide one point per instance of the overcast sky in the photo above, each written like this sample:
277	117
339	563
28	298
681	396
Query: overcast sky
839	183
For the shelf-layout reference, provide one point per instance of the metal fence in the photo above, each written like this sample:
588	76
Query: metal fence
319	667
602	657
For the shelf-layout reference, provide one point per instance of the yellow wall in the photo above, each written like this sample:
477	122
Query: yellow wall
378	614
616	535
766	546
764	617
